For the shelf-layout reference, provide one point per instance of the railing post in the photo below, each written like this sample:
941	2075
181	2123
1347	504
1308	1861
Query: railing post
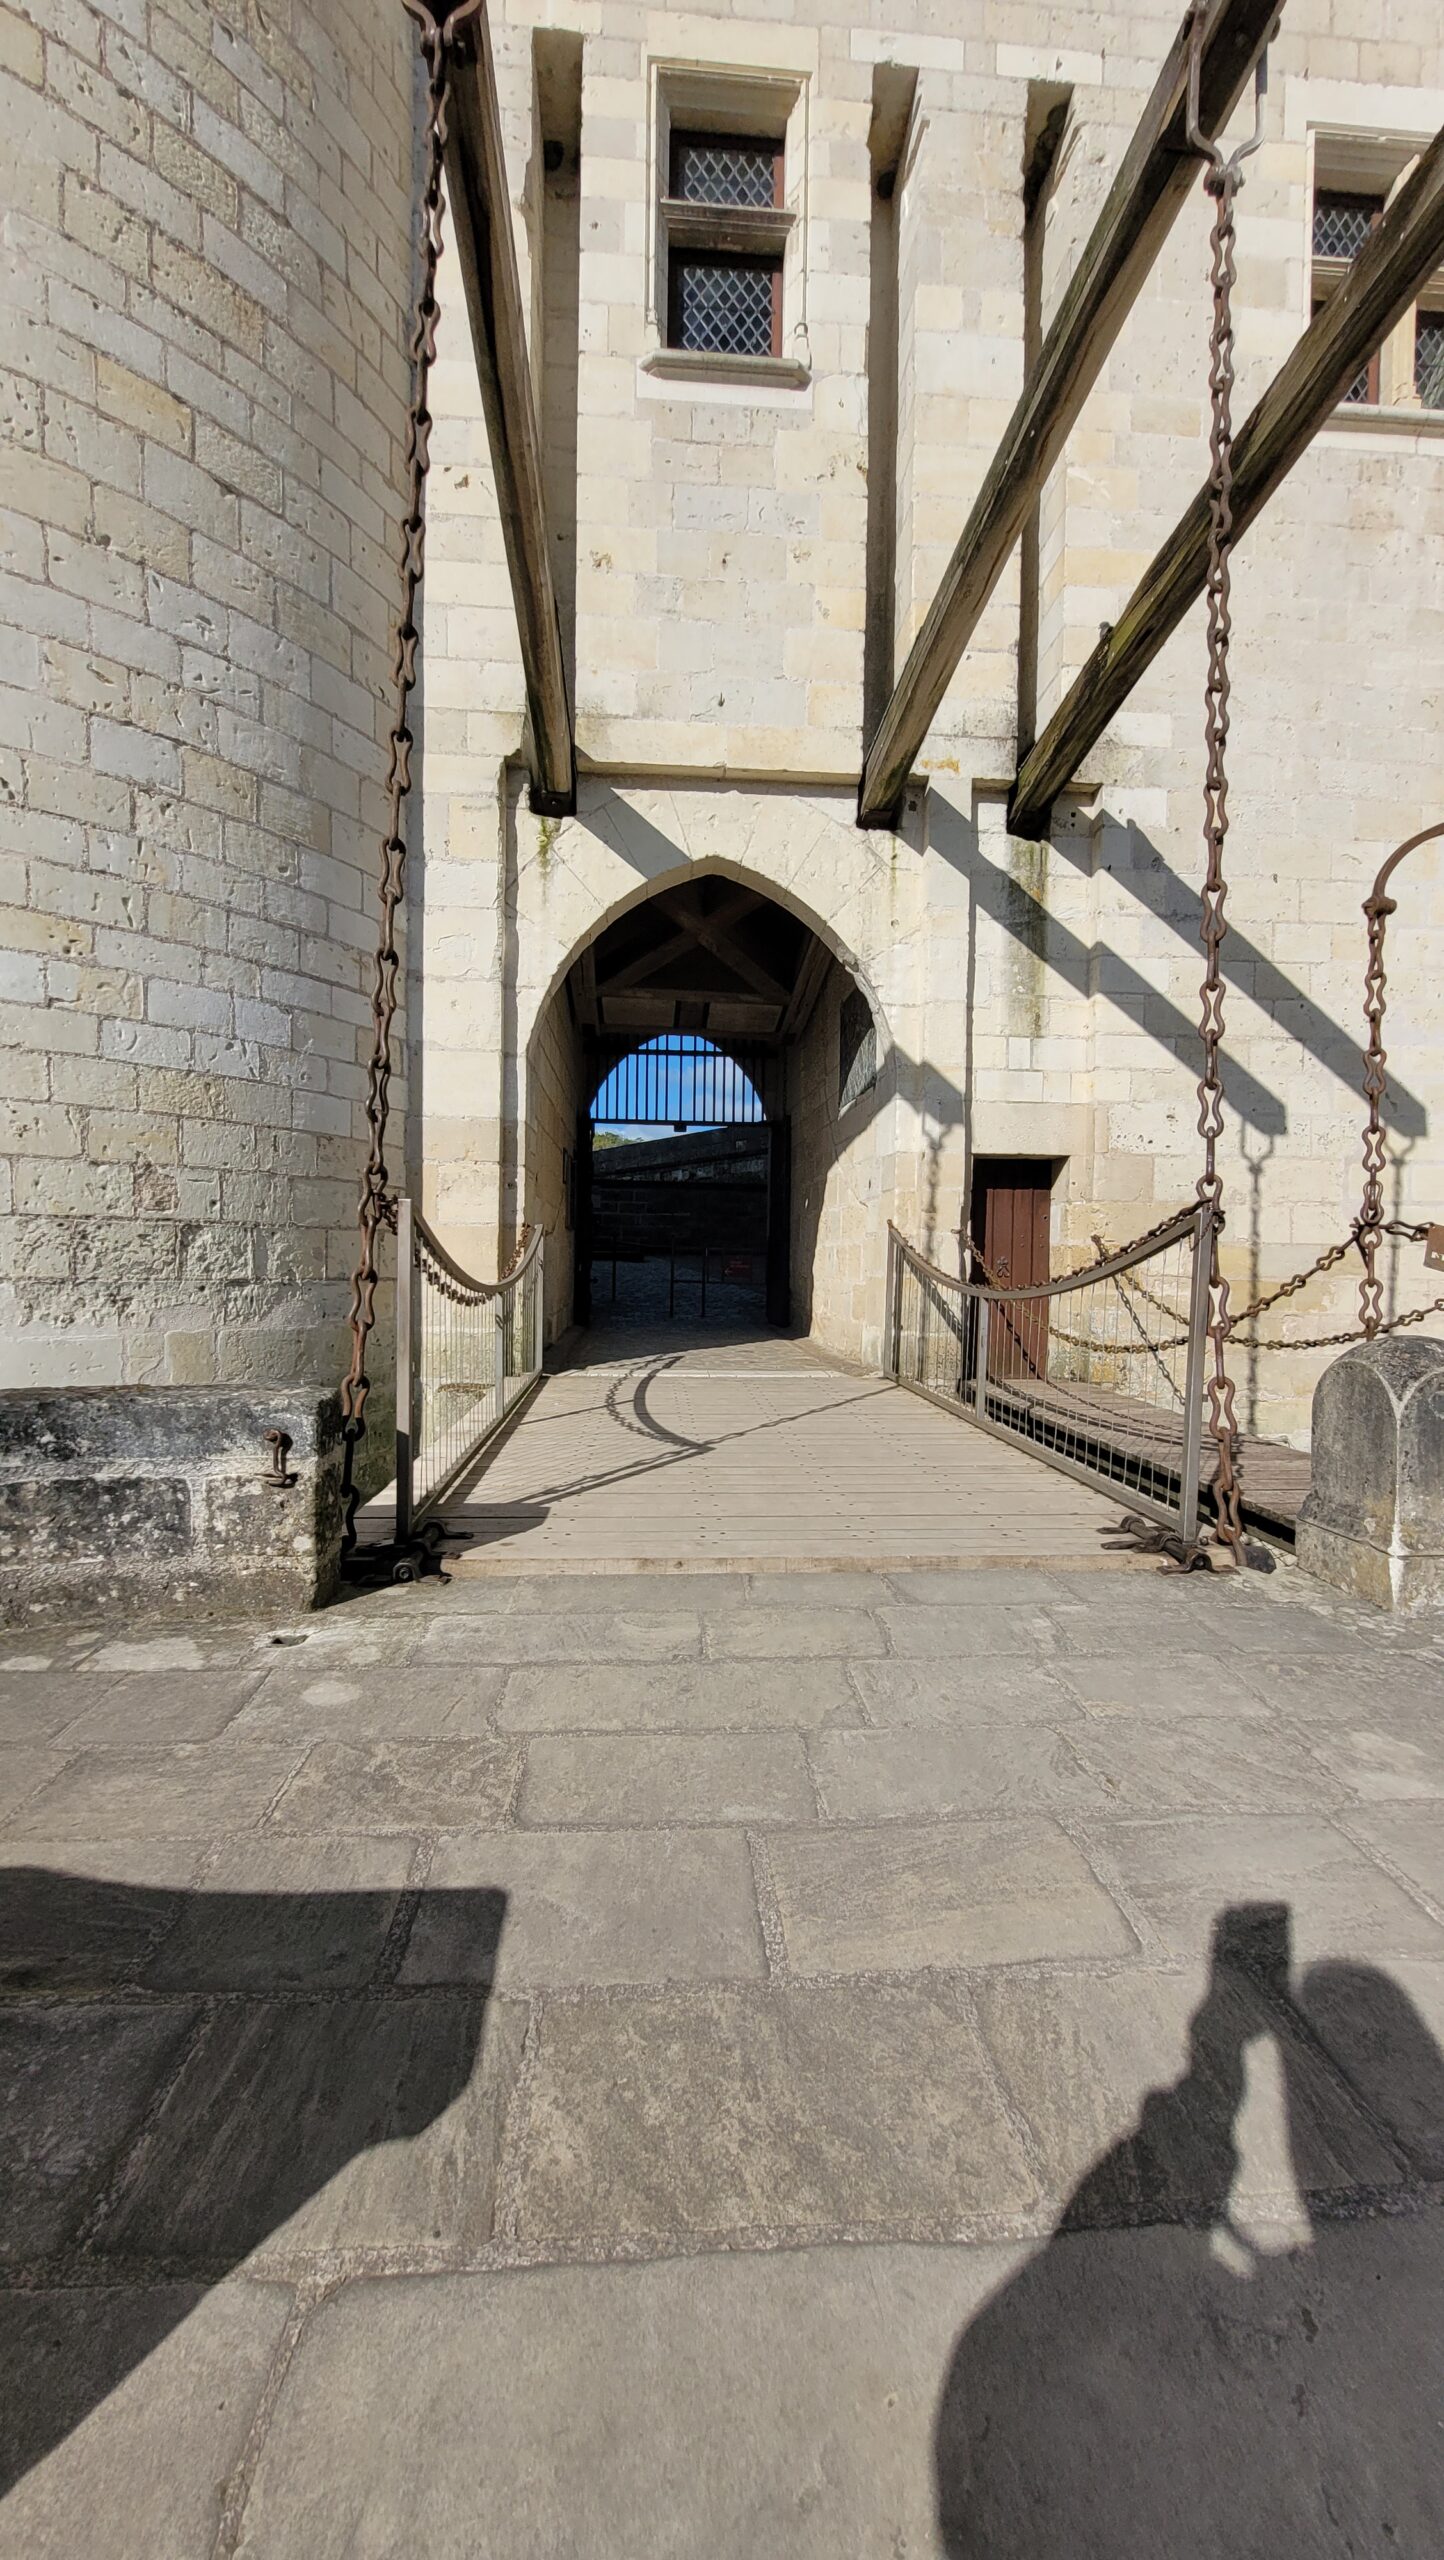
539	1326
405	1365
980	1379
892	1312
1193	1378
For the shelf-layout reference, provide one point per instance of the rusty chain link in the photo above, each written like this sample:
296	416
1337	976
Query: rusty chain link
437	29
1222	184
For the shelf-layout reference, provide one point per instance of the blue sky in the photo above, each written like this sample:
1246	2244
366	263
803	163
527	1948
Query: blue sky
695	1077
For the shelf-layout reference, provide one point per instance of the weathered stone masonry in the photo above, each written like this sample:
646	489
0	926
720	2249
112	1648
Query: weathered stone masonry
209	217
209	224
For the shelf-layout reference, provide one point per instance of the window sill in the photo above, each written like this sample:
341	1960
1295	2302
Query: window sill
701	364
1359	417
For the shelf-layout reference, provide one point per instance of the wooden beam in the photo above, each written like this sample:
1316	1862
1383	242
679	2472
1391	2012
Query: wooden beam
1399	256
816	961
586	977
480	212
1158	173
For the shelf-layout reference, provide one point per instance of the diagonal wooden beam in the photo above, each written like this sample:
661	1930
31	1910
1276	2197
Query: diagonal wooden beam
1399	256
486	253
816	961
591	1019
1157	174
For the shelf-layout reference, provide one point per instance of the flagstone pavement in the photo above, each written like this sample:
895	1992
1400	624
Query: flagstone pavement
922	2063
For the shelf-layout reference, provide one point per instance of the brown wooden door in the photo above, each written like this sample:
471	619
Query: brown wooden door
1010	1214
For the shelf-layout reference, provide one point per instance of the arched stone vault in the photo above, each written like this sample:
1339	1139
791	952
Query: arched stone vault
569	880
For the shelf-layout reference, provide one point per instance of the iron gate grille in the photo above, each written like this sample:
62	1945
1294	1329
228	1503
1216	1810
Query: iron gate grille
681	1081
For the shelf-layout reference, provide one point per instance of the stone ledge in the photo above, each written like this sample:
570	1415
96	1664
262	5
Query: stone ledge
137	1500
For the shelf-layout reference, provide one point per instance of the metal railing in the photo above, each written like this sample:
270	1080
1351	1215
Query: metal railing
1099	1372
467	1350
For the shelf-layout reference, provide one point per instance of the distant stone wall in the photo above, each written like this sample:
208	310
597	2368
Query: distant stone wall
209	267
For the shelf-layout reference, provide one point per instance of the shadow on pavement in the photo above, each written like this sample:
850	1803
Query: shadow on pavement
180	2074
1177	2386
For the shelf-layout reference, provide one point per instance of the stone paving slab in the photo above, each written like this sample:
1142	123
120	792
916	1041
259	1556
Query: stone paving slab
1387	1751
192	1788
682	1697
1243	1763
154	1708
1114	2396
1410	1838
598	1906
64	1925
125	2413
24	1770
624	1635
1385	2035
36	1705
630	1779
948	1893
75	2085
1179	1872
285	1915
1066	2046
790	1635
947	1633
981	1764
350	1703
300	2125
1190	1688
1017	1688
825	2108
727	2406
451	1785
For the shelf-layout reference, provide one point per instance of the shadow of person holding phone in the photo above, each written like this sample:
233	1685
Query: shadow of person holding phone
1164	2381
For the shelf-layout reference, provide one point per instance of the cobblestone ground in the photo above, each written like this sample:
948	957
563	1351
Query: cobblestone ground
820	2064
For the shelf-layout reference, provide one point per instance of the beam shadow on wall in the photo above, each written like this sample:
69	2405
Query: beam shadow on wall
184	2072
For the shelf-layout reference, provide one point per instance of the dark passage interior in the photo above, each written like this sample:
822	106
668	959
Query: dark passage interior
688	1007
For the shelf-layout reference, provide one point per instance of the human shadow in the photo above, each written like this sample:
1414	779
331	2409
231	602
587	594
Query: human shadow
183	2072
1163	2379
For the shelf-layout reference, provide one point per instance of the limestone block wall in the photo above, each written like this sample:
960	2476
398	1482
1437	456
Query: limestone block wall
210	235
846	1176
721	560
554	1097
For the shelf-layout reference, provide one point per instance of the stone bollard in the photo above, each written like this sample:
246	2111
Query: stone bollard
1373	1523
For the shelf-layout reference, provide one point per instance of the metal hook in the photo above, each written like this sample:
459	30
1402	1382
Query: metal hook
1226	172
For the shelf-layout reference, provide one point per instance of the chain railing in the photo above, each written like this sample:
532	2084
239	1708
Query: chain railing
1100	1375
467	1350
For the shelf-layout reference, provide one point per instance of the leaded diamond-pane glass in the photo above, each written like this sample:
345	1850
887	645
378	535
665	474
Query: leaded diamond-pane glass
1342	224
711	169
723	306
1429	358
1359	390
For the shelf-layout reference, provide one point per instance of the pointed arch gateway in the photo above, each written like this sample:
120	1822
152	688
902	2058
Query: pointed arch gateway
706	1025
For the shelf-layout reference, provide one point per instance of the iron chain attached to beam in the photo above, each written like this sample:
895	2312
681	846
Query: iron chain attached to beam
376	1207
1222	182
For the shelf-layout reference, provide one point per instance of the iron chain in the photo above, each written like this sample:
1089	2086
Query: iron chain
375	1209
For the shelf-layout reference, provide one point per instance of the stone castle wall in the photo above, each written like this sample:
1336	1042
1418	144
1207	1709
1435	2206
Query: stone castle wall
209	209
722	567
209	226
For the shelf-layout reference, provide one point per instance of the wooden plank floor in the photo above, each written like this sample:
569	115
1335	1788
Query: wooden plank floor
763	1454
